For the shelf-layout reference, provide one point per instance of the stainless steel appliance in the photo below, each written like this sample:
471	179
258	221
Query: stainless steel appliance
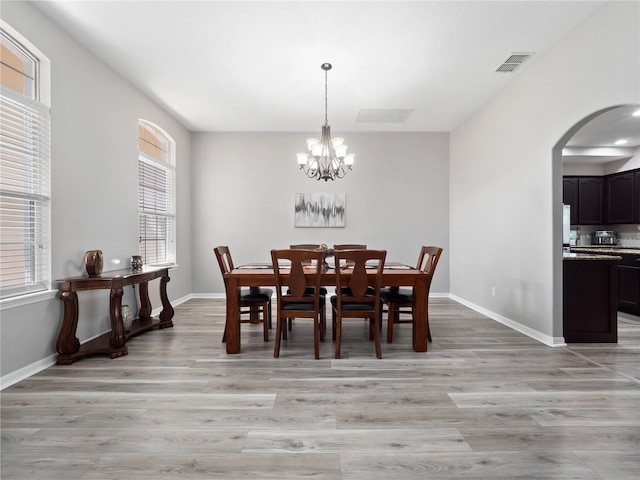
604	237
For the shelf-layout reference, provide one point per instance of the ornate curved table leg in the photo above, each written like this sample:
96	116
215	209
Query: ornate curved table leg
115	317
68	343
167	310
145	304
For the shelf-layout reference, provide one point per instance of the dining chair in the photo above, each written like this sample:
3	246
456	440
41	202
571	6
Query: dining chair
400	300
323	290
292	284
360	299
255	302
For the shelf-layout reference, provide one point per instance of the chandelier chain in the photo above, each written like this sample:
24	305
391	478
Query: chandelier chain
326	121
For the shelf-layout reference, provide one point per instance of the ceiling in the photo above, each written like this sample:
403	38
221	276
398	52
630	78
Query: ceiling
255	65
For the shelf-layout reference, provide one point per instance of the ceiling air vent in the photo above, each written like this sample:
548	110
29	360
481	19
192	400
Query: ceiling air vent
383	115
513	62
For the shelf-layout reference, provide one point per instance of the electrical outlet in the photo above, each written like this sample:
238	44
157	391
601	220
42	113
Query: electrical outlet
493	291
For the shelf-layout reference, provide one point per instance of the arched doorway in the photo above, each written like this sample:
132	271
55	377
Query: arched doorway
615	113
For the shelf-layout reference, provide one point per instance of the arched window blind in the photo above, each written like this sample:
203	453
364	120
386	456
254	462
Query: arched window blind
156	195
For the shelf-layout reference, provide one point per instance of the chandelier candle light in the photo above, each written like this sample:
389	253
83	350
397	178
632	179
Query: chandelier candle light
327	158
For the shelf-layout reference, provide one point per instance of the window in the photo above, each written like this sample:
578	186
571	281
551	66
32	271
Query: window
25	166
156	195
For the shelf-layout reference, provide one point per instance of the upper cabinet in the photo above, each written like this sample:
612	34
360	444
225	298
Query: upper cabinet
570	196
612	199
585	195
590	196
620	198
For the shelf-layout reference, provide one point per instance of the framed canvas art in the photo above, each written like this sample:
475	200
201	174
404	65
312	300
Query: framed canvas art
320	210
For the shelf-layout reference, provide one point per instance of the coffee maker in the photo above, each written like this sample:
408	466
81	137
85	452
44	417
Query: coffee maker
604	237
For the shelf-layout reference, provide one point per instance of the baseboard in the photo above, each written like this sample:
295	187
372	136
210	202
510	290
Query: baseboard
215	296
528	331
36	367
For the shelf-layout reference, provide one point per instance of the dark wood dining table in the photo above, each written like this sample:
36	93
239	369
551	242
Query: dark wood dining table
261	275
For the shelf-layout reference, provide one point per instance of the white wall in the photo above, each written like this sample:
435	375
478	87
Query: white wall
615	166
95	115
505	183
244	186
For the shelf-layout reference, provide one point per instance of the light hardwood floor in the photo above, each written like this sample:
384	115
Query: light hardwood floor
484	403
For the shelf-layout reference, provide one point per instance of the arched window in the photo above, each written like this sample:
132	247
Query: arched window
25	166
156	195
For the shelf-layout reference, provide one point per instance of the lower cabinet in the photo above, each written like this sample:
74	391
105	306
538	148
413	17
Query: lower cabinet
590	301
629	284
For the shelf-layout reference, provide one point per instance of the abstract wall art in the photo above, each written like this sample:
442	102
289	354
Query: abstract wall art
320	210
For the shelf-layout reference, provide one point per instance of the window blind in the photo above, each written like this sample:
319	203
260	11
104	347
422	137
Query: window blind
25	165
156	204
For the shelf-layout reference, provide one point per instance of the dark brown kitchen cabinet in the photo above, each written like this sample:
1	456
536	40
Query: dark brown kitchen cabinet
590	300
570	196
590	196
629	284
636	181
619	202
585	195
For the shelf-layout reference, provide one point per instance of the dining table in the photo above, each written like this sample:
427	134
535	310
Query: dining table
395	274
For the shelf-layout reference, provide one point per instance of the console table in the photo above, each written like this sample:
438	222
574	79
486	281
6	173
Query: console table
111	343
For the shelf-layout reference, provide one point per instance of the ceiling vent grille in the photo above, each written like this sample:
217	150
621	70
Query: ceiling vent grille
514	61
383	115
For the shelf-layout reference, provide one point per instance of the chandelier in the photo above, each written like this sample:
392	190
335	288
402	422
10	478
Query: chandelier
327	158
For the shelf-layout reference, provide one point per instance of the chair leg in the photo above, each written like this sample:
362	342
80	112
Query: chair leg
375	328
224	335
276	347
333	323
316	336
391	317
337	333
265	321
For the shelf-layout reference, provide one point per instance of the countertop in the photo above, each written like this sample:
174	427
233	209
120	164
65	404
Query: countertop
606	249
589	256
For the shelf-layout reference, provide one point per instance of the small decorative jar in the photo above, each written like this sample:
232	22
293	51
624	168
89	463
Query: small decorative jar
136	262
127	317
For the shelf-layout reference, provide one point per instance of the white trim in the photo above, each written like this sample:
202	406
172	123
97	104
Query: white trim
27	299
528	331
25	372
216	296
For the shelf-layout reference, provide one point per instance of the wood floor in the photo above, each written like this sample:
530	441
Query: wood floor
484	403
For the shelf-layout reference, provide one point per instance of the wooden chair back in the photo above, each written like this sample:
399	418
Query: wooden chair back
353	268
295	278
432	256
428	260
224	258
